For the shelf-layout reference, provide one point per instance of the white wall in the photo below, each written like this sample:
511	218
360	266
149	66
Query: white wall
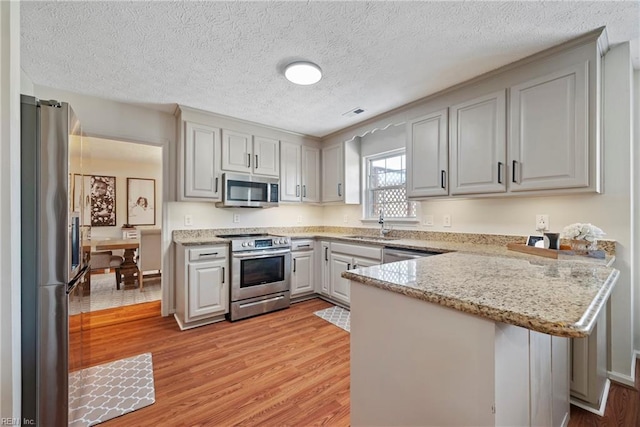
10	210
123	169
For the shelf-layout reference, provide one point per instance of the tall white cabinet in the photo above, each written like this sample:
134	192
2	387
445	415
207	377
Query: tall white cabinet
200	167
428	155
299	173
478	145
549	141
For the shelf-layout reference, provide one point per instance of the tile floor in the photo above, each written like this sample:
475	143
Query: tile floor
105	295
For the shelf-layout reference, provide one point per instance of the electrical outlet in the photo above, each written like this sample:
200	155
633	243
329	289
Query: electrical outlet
299	219
236	218
542	222
446	220
427	220
346	219
188	220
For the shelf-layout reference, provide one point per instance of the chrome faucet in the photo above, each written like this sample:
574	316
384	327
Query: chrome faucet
383	231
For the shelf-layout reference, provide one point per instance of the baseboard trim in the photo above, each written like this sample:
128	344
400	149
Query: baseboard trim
333	301
625	380
603	402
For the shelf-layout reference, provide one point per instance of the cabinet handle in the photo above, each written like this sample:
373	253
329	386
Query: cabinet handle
209	254
304	191
256	165
348	266
222	274
298	190
499	172
443	178
326	254
303	246
355	265
339	190
216	184
248	160
513	171
294	265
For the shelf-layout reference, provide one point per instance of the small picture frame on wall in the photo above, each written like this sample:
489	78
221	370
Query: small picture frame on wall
102	199
141	201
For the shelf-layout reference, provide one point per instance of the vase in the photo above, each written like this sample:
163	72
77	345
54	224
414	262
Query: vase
582	247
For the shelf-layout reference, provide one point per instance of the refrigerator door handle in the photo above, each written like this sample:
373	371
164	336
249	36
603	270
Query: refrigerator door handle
73	284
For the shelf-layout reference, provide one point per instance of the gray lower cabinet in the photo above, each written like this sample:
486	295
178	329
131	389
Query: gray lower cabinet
340	257
202	285
324	266
302	267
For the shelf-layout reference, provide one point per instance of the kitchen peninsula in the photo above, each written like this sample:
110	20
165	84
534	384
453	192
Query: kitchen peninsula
469	339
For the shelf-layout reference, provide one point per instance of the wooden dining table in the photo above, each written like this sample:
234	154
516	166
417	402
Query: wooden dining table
129	268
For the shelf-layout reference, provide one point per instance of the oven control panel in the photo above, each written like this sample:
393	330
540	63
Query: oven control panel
261	243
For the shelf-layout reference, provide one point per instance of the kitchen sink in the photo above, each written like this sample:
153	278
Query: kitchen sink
371	238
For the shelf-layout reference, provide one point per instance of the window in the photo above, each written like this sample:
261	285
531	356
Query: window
386	189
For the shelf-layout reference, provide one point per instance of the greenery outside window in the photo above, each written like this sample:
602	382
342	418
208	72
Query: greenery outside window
386	188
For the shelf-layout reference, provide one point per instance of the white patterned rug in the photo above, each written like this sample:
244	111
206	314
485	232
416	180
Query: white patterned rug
336	315
105	295
107	391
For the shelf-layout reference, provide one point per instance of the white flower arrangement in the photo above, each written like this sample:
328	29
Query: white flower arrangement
579	231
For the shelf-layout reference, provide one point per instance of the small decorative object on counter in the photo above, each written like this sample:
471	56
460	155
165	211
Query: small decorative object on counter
582	237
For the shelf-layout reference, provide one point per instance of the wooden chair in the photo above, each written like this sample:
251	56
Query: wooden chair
104	260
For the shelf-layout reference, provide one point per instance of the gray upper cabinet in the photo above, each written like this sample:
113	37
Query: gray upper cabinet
243	153
236	151
201	158
310	174
549	139
341	172
427	155
478	145
290	174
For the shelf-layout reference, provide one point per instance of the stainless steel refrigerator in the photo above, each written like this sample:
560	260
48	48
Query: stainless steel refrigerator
53	262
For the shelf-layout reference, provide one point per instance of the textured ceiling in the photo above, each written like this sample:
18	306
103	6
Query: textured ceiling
227	57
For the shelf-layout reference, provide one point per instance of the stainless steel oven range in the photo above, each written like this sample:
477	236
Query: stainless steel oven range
260	274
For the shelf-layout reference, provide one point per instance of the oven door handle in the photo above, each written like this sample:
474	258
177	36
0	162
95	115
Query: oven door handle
261	254
251	304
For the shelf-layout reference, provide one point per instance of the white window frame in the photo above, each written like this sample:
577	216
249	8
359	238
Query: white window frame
366	164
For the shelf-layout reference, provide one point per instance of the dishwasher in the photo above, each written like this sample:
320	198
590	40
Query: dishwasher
398	254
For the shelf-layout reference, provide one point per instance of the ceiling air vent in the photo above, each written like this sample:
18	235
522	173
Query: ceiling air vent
353	112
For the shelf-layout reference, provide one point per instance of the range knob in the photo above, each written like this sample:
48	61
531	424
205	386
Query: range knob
251	243
244	244
284	241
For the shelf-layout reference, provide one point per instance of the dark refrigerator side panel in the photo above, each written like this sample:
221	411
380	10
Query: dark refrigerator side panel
30	131
45	216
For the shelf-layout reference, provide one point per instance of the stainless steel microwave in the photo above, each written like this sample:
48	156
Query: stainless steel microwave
248	191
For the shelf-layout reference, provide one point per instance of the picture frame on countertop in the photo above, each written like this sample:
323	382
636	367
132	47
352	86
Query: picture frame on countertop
141	201
532	240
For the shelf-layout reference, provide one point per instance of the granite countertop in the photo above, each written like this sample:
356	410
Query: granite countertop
556	297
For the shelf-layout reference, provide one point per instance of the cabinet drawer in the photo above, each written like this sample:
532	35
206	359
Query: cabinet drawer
302	245
372	252
208	252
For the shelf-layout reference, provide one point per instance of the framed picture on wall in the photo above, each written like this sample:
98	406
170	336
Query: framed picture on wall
102	198
141	201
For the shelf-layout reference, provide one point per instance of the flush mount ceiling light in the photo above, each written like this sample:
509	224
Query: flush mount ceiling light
303	73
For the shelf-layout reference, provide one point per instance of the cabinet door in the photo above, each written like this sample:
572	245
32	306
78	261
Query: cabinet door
302	277
427	155
208	289
364	262
549	140
290	187
266	156
332	174
478	145
310	174
236	151
325	269
201	157
339	286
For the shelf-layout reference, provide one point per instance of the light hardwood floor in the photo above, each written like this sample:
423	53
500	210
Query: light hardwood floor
284	368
